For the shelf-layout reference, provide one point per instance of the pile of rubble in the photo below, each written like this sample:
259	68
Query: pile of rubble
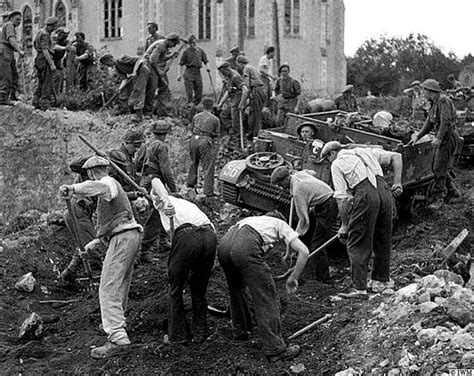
426	327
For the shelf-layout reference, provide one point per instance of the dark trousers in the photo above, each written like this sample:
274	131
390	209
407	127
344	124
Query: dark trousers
370	232
201	150
192	256
442	165
44	90
193	87
134	94
6	72
267	90
86	73
240	255
257	100
322	226
153	230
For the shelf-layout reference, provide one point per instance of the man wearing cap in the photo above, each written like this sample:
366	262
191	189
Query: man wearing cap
152	28
265	67
235	89
442	119
191	260
287	91
135	90
86	68
44	64
232	59
116	228
306	131
8	45
317	212
153	161
241	254
357	177
191	63
256	95
160	57
455	84
205	128
61	47
347	100
123	158
419	103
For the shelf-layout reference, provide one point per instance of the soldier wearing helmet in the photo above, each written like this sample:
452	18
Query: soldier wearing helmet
116	228
442	120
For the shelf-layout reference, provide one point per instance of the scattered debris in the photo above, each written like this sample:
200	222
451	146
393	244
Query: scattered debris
32	327
26	283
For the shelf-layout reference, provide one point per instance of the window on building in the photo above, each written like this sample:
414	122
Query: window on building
204	19
292	17
112	18
27	30
250	16
60	13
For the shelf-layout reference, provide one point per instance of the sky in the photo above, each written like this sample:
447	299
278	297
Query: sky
449	24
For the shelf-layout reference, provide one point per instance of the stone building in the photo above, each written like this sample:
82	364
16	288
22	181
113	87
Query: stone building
310	33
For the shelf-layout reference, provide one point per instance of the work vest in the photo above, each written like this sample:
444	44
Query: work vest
112	213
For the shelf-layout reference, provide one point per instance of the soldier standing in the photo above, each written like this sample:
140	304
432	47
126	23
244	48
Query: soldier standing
191	63
286	91
85	62
61	47
8	70
154	162
117	228
205	129
442	118
347	100
44	64
154	35
256	96
159	55
235	89
232	59
265	67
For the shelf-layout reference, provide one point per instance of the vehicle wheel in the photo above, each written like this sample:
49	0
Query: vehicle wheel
264	162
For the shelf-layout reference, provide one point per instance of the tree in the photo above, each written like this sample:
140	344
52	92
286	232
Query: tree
388	65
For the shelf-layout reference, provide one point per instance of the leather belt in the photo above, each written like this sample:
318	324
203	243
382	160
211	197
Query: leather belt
122	231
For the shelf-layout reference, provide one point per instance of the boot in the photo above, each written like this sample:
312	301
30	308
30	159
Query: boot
453	192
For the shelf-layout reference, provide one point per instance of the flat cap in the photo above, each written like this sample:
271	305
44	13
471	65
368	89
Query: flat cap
431	85
154	24
348	88
51	21
223	65
5	15
242	59
160	127
330	146
95	161
133	135
279	174
382	119
105	58
172	36
415	83
13	14
234	49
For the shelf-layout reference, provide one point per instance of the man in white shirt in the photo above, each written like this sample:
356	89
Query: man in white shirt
240	254
317	213
117	228
265	67
193	251
357	174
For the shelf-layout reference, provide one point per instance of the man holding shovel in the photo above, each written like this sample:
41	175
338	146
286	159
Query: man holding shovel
240	254
117	228
317	212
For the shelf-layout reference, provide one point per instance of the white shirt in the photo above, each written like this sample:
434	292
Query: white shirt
270	229
105	188
265	65
354	165
186	212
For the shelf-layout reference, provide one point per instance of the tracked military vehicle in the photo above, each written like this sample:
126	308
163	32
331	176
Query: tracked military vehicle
246	183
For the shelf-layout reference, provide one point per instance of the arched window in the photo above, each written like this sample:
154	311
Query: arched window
60	13
27	30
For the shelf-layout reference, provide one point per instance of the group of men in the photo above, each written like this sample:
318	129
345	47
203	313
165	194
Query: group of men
55	55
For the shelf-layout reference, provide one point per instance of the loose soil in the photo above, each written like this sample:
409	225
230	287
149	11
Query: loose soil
36	241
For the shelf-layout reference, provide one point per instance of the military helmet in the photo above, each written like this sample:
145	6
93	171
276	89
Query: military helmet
133	136
51	21
160	127
431	85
